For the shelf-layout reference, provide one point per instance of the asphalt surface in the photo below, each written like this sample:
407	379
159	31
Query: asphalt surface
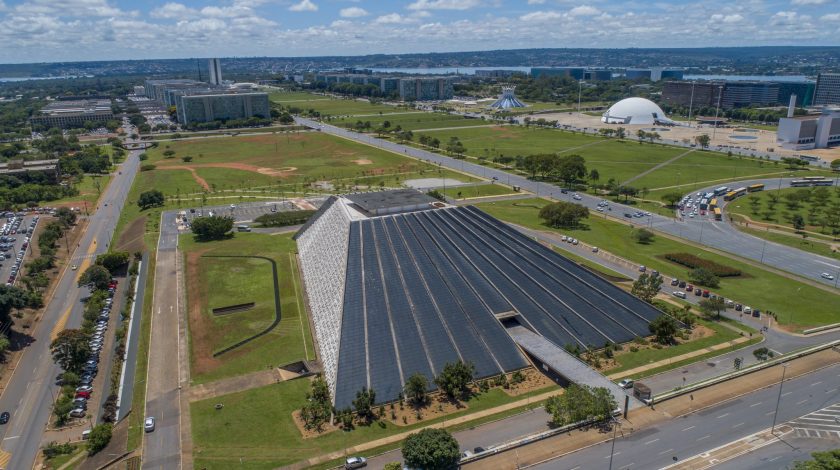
32	390
709	428
132	343
780	455
17	247
716	236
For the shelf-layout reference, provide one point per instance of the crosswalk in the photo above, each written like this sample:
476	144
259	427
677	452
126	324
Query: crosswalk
824	423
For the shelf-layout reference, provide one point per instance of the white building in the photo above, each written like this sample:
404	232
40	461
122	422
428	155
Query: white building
810	132
635	111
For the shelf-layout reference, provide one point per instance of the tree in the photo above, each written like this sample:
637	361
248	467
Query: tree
703	277
152	198
594	175
642	236
99	437
363	404
570	168
455	378
113	261
318	405
186	159
416	388
62	408
762	354
11	297
66	216
143	157
5	344
798	222
169	153
563	214
95	277
835	164
646	286
627	192
431	449
703	140
711	307
828	460
211	228
437	194
671	198
393	466
755	204
70	349
663	327
580	402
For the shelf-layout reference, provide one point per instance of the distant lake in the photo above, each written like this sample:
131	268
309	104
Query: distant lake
752	78
447	70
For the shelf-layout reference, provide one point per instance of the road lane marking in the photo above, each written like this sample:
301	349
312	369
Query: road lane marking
739	424
723	415
613	455
705	437
770	413
755	404
690	427
626	466
13	437
801	401
816	383
786	394
831	391
666	451
651	442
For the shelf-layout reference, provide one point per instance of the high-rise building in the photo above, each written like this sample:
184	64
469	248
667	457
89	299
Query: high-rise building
739	94
215	72
570	72
828	89
804	92
214	105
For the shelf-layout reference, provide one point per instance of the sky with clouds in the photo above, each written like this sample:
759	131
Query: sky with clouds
70	30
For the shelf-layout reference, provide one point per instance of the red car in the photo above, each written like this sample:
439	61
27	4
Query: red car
705	293
689	288
85	395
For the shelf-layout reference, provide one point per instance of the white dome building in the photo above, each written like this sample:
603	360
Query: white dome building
635	111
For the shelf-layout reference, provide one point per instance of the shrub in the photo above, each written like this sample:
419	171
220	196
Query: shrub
147	167
282	219
692	261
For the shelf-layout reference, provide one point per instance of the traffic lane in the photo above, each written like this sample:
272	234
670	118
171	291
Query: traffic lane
781	454
711	427
789	259
486	435
161	446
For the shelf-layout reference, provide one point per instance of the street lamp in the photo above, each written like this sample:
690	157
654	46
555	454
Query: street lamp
779	399
616	423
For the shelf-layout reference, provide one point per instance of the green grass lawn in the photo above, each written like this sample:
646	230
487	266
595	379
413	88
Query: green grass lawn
257	425
57	461
812	204
631	360
798	305
413	121
809	244
88	192
228	281
706	166
331	106
479	190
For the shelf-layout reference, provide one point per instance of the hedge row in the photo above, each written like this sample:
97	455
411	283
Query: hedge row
693	261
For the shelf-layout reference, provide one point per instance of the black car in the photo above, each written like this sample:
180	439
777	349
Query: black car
4	417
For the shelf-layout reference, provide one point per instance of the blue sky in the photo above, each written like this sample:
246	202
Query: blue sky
67	30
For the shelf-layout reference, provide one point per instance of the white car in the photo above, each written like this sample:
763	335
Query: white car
827	276
149	424
577	197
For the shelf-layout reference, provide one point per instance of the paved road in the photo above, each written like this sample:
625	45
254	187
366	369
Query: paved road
785	258
162	448
132	343
32	389
780	455
698	432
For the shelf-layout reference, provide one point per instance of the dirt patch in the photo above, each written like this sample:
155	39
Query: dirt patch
533	381
362	161
131	238
275	172
604	364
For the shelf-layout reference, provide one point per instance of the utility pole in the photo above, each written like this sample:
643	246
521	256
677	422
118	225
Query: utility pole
776	413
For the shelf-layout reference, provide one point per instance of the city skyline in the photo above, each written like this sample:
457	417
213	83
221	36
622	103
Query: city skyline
78	30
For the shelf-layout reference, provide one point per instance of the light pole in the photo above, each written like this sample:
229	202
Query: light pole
776	413
580	87
612	449
691	103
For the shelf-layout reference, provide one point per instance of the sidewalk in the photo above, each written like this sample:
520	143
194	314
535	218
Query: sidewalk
733	449
396	438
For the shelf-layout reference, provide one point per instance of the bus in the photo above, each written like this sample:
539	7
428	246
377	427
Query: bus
755	187
704	204
811	181
713	203
734	194
718	215
721	190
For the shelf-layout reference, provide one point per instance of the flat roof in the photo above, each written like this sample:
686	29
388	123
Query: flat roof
378	200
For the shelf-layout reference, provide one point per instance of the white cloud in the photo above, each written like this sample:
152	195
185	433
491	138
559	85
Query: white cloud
353	12
584	10
304	5
541	16
536	2
68	8
733	18
783	18
443	4
394	18
172	10
831	17
809	2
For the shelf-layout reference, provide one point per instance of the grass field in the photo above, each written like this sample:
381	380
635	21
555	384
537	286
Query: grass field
217	282
88	192
331	106
788	202
798	305
478	190
257	425
413	120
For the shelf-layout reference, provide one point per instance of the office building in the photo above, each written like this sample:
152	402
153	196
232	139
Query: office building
221	105
810	132
139	90
72	113
406	88
653	74
215	72
568	72
496	73
804	92
740	94
731	94
827	89
597	74
155	89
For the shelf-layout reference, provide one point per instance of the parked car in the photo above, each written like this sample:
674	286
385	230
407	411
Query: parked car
827	276
680	294
698	292
675	282
4	417
738	307
626	383
355	462
77	413
642	268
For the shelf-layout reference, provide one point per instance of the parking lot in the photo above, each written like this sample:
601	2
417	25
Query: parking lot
15	237
245	213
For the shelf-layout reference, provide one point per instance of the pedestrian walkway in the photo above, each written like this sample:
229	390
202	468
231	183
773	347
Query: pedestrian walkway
824	423
656	167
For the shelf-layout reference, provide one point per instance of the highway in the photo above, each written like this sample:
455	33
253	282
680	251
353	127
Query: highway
32	389
685	436
789	259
